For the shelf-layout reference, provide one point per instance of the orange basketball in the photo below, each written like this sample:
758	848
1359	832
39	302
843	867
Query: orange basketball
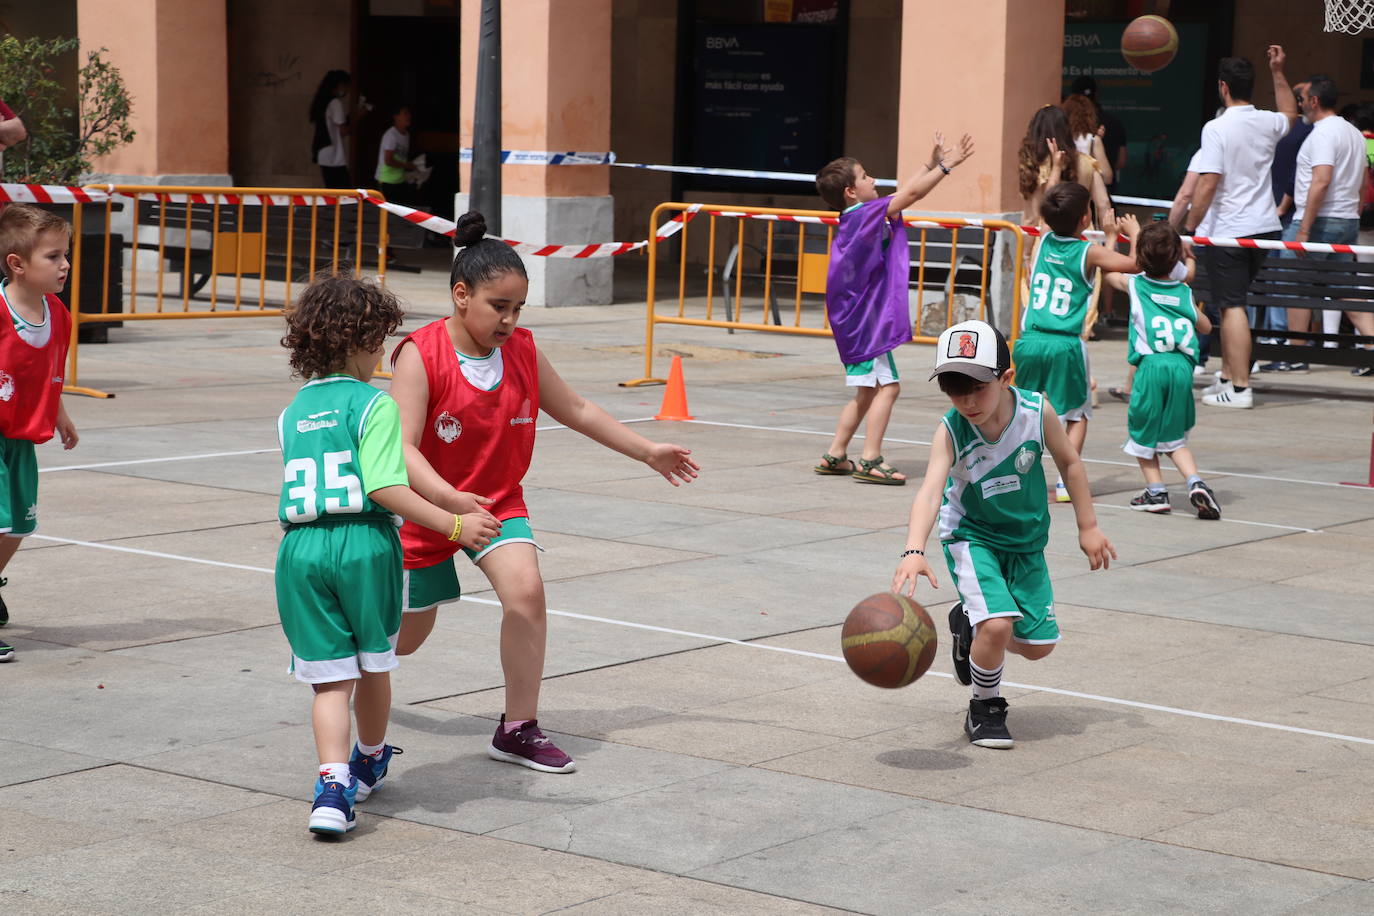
1149	43
888	640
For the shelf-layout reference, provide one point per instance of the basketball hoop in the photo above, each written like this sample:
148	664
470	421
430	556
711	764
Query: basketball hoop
1350	16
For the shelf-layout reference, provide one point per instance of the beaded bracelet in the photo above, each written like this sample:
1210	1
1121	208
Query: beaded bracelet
908	553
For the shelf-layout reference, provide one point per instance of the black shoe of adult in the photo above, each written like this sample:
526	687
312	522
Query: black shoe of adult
986	723
961	641
4	611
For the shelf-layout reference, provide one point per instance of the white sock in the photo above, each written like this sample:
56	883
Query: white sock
336	772
986	683
370	750
1331	324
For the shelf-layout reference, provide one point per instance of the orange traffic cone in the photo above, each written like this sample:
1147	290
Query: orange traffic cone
675	396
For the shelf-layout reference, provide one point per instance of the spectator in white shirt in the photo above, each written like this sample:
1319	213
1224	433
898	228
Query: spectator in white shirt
330	141
1326	193
1233	200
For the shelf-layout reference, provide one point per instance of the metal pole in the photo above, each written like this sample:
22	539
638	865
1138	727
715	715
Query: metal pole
486	126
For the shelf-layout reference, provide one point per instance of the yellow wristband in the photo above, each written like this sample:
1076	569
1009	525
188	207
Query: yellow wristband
457	528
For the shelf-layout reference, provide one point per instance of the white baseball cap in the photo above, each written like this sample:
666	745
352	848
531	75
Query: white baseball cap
972	348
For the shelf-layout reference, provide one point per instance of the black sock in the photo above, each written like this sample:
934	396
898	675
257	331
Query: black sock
1239	388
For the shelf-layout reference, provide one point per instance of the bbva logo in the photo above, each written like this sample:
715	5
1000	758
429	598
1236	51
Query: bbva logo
720	42
1083	41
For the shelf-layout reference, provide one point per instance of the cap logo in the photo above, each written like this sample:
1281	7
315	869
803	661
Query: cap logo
963	345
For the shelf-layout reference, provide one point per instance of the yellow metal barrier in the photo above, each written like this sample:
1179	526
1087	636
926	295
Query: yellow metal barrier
794	251
205	233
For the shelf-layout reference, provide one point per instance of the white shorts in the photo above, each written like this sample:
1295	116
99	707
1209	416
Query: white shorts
872	373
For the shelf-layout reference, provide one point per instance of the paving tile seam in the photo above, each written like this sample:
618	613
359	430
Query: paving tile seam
1245	858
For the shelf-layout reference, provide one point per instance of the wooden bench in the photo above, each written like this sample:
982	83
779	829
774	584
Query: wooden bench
1284	282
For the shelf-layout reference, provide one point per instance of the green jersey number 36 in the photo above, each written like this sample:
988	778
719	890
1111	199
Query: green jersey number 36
305	493
1057	299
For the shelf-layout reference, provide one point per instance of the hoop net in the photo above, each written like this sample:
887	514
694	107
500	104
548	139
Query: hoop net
1350	16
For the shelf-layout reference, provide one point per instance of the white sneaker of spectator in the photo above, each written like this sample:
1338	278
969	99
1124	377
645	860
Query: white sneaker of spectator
1229	397
1217	385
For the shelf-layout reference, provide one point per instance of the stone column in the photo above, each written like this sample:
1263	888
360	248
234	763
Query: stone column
556	95
982	68
173	56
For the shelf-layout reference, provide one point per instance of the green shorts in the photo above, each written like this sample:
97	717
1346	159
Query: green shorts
430	586
872	373
339	598
1056	364
18	487
1162	409
999	583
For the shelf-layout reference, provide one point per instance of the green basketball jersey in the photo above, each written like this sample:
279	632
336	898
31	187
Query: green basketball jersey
995	494
1163	318
340	440
1060	286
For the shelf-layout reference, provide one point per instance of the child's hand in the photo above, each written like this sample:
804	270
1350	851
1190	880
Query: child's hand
954	157
1058	157
909	570
66	429
1128	226
478	529
672	462
937	154
460	502
1098	549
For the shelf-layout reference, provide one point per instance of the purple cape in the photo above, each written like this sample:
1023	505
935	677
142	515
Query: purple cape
867	281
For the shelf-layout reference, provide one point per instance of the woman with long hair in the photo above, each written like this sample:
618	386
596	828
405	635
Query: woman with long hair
327	112
1087	132
1048	156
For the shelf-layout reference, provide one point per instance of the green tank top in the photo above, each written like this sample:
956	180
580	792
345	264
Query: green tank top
995	494
321	433
1163	319
1060	286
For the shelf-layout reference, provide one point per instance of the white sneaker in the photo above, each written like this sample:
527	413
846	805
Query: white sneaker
1198	370
1061	493
1229	397
1217	385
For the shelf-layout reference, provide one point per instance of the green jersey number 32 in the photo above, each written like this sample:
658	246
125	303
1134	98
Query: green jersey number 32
305	493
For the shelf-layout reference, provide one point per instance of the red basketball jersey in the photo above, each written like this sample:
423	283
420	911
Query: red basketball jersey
31	378
478	441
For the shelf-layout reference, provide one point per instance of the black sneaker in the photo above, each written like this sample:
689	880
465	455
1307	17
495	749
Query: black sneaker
1283	366
1204	500
986	723
6	651
1153	502
4	611
1362	371
961	633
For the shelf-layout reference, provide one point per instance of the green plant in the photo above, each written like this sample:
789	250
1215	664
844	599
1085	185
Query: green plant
61	142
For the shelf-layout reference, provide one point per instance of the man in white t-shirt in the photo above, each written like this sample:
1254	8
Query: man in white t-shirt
1234	200
1326	193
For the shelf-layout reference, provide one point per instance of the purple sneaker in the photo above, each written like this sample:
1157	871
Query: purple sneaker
528	747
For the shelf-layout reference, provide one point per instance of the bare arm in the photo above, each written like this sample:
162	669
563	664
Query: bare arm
1101	200
924	509
1183	200
1202	322
1283	95
410	390
1115	280
1285	205
560	401
1100	257
12	131
397	163
475	530
1316	196
66	429
1202	200
1091	540
1100	154
913	189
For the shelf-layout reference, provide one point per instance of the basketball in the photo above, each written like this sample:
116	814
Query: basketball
888	640
1149	43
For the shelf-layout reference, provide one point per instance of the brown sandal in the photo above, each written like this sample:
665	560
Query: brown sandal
877	471
830	465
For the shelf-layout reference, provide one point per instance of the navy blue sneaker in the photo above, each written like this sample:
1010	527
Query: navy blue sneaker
332	812
370	772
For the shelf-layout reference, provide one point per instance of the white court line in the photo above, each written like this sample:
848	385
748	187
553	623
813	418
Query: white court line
1234	521
251	451
1124	464
1116	701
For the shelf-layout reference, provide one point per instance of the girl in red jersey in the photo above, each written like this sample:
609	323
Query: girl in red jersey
469	388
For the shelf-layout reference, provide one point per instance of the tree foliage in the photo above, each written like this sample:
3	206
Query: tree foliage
61	141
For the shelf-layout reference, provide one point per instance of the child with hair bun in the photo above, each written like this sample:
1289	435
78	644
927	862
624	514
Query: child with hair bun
470	388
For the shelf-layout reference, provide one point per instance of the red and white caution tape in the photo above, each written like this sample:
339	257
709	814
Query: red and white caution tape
600	250
49	194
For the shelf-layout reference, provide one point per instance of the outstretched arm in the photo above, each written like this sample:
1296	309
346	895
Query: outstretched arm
1283	95
1091	540
560	401
913	189
924	509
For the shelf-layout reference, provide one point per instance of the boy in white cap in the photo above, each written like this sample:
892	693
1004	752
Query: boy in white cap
986	484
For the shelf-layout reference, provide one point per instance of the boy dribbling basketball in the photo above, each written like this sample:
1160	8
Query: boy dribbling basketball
986	484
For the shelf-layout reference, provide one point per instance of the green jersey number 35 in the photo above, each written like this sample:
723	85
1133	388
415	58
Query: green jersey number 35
305	493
